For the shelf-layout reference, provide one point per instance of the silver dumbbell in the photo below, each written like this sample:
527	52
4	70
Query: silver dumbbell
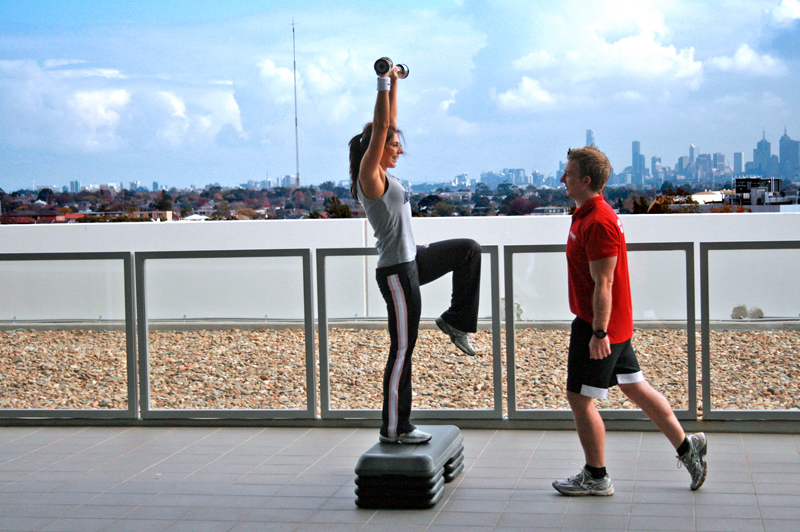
384	65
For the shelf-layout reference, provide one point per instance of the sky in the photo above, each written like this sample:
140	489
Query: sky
197	92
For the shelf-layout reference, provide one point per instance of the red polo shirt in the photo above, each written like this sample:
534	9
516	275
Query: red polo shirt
597	233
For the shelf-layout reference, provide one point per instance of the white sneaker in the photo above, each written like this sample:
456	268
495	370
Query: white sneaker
695	459
459	338
584	484
415	436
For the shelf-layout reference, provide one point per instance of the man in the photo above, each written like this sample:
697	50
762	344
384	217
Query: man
600	352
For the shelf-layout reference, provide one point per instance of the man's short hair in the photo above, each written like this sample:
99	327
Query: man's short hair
593	163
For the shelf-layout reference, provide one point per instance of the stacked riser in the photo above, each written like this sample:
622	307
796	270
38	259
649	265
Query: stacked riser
394	475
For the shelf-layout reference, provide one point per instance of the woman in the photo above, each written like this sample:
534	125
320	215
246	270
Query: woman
402	266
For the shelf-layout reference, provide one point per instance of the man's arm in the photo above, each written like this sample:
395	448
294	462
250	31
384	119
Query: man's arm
602	272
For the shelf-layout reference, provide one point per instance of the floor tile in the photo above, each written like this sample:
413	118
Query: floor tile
287	479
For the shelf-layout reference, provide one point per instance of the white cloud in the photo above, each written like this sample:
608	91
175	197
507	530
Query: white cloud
732	100
99	108
611	43
529	95
63	110
98	115
221	109
535	60
328	84
631	96
177	104
632	67
772	100
620	21
747	60
175	127
56	63
279	81
196	116
108	73
437	122
786	11
640	57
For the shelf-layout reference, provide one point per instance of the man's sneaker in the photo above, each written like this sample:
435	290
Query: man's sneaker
415	436
459	338
584	484
695	459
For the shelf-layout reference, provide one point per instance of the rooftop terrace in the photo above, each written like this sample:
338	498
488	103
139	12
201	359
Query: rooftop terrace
143	464
302	479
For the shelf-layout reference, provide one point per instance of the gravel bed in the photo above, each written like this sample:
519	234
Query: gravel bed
265	369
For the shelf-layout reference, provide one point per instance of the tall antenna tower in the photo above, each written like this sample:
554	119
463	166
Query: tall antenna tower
296	143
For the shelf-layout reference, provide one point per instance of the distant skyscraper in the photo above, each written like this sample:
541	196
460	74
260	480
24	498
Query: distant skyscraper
705	166
737	162
461	180
692	153
719	161
155	186
683	165
515	176
789	166
636	159
655	166
589	137
762	158
289	181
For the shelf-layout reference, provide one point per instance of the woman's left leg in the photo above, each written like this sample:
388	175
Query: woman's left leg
462	257
399	286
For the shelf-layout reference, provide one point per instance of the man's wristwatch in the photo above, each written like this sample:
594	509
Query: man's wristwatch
599	333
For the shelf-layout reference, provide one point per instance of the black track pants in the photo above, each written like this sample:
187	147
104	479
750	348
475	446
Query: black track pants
399	285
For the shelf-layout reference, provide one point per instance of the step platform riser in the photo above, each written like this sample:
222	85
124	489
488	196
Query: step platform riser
394	475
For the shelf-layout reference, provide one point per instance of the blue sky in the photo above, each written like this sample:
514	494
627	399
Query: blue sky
196	92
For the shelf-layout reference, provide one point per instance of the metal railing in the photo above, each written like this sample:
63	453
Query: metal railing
324	359
147	412
709	412
134	269
514	413
125	261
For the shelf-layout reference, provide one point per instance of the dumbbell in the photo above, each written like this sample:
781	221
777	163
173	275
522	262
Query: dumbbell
384	65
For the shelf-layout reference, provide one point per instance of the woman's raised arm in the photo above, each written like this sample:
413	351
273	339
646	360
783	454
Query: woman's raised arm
371	175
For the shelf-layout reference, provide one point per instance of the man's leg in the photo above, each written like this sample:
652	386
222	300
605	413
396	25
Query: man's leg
590	427
587	380
692	449
656	408
592	478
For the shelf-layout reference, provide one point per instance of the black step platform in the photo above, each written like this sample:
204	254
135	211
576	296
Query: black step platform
392	475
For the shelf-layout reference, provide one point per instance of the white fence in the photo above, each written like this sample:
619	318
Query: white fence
265	288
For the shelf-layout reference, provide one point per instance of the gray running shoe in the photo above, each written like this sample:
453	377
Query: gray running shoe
415	436
459	338
695	459
584	484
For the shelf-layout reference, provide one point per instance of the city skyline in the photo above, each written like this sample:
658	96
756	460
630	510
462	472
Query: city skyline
763	161
200	92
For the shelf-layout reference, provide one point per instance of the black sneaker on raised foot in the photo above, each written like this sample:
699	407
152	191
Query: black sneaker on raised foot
415	436
584	484
459	338
695	459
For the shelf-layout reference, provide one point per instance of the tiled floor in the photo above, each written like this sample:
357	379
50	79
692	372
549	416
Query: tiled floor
297	479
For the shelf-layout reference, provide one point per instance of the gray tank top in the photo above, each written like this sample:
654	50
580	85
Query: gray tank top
390	218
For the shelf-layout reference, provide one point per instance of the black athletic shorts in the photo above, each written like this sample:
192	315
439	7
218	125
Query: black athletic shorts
593	378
